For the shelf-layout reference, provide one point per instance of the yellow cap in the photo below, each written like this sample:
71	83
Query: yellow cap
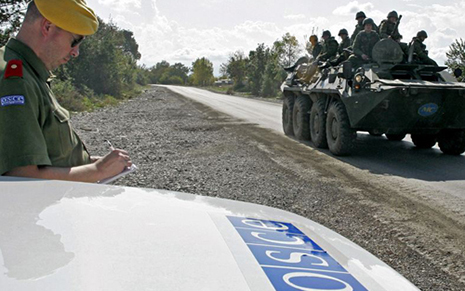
71	15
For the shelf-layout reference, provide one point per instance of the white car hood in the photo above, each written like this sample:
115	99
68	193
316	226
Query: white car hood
76	236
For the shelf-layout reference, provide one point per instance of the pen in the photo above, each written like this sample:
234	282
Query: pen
109	143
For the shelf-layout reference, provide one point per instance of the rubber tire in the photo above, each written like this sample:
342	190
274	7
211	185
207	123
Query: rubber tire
452	142
301	118
339	135
288	106
424	141
395	137
318	124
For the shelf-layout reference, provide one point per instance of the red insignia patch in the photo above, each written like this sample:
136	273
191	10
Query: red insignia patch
14	68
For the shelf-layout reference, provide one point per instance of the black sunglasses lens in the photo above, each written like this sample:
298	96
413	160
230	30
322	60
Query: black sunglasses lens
77	41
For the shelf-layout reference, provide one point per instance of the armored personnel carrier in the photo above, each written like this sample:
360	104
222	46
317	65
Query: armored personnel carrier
389	96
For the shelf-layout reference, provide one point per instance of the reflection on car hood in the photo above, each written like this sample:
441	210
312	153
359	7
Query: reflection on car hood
76	236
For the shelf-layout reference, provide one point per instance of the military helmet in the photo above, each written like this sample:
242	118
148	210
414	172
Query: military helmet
360	14
422	33
368	21
343	31
393	14
326	33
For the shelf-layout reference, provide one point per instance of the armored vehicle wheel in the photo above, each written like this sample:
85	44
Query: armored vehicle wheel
339	135
395	137
288	105
424	141
452	142
318	124
300	118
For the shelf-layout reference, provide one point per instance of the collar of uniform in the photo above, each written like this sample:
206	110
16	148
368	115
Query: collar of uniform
30	57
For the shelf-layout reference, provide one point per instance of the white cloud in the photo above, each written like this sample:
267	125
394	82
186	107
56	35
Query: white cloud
352	8
121	5
161	38
294	16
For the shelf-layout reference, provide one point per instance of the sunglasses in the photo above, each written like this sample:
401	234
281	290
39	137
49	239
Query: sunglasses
77	41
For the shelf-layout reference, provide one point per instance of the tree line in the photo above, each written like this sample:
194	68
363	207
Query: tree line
260	72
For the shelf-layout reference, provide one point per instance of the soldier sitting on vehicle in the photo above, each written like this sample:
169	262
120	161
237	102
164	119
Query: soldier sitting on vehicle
344	47
363	44
360	17
329	49
314	47
388	27
417	50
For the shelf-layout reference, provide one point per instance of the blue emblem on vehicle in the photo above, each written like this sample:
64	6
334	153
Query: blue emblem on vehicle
290	259
12	100
428	109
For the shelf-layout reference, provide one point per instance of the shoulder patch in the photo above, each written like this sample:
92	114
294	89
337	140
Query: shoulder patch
14	68
12	100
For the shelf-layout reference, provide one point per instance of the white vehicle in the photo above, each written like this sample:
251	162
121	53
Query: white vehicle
76	236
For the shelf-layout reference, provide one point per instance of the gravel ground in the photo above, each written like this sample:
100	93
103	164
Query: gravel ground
181	145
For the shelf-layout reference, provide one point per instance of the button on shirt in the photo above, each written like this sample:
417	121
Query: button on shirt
34	128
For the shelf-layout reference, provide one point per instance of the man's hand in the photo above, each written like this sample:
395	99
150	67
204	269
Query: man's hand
365	57
108	166
113	163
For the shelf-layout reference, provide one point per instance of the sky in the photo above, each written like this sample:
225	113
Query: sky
180	31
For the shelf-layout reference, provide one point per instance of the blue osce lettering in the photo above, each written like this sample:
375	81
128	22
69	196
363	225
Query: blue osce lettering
290	259
12	100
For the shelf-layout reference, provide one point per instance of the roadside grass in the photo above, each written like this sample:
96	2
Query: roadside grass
84	99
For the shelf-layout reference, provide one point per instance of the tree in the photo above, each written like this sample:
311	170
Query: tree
105	63
456	57
236	68
202	72
256	68
11	15
272	78
288	50
157	71
175	74
130	45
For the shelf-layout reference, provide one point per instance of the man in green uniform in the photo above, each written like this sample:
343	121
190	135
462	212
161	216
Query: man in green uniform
363	45
314	47
36	139
360	16
418	48
329	49
388	25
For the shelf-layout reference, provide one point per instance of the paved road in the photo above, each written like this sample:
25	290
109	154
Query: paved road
428	173
421	192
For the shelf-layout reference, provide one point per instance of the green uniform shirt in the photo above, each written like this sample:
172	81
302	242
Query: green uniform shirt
364	43
420	54
386	29
357	30
328	50
345	43
34	128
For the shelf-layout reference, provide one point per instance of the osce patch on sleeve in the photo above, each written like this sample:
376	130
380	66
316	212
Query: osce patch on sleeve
12	100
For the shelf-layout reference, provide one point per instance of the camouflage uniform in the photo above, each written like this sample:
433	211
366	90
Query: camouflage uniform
363	45
420	54
386	29
345	43
316	50
329	49
358	28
